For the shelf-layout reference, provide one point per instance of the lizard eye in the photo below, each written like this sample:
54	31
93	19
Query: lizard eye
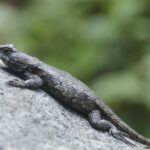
7	48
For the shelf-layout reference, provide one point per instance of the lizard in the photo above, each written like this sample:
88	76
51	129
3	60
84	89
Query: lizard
69	90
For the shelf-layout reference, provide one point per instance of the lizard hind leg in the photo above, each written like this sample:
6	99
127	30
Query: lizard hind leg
97	122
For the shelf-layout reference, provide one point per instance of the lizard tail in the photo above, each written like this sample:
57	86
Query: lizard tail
122	126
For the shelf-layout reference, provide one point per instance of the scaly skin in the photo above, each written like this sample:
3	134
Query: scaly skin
68	90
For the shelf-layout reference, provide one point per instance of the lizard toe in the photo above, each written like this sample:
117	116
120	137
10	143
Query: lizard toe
119	135
14	82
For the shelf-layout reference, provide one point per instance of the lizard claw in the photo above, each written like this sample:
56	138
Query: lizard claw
123	134
119	135
15	83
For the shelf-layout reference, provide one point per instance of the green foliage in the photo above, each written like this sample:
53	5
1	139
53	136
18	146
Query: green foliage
104	43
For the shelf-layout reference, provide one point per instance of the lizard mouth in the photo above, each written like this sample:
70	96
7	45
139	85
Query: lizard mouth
1	55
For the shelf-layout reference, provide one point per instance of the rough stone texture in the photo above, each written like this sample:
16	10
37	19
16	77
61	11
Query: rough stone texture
33	120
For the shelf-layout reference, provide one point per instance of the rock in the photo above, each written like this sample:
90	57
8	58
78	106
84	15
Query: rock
33	120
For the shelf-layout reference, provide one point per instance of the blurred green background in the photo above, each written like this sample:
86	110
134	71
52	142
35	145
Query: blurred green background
105	43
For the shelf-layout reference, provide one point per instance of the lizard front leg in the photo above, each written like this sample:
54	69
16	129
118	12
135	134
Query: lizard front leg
97	122
31	82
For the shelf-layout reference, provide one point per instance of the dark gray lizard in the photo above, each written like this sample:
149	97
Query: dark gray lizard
68	90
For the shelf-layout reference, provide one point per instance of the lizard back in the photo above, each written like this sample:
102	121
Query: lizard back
67	89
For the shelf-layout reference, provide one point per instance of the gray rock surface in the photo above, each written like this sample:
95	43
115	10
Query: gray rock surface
33	120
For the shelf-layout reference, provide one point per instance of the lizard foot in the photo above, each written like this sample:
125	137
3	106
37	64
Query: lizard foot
15	83
120	136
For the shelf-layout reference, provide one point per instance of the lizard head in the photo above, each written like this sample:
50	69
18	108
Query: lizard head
6	49
14	59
